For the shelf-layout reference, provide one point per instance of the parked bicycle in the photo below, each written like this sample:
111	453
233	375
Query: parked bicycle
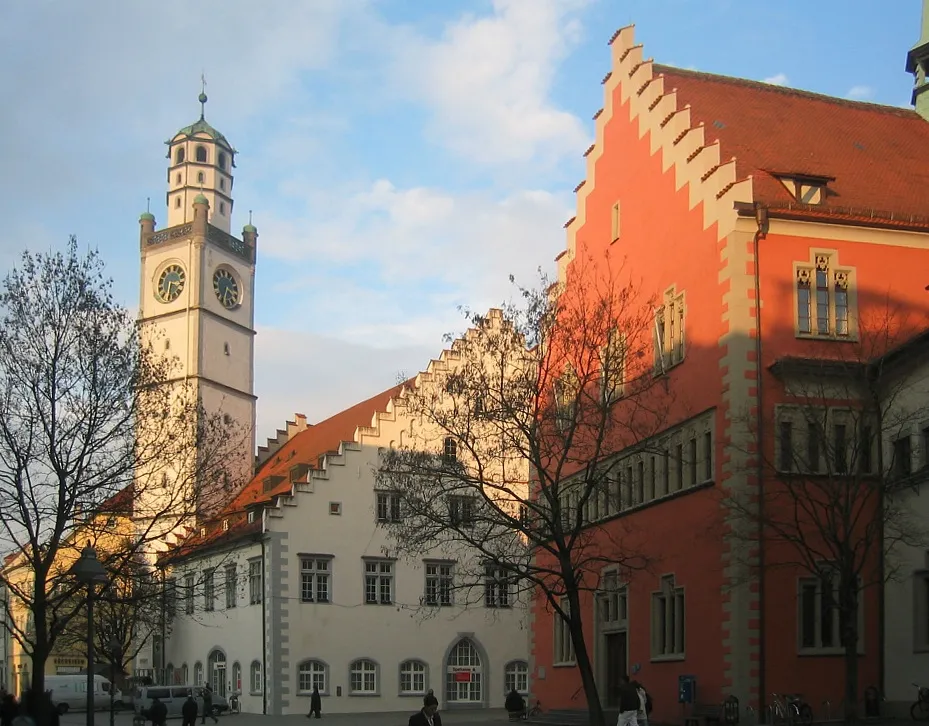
919	711
533	711
234	705
791	709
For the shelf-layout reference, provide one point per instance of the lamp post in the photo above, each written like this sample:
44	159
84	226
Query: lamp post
90	572
116	651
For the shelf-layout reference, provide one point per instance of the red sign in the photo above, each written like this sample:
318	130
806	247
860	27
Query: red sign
463	677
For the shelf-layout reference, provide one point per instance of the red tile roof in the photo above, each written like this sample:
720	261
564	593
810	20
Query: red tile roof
877	155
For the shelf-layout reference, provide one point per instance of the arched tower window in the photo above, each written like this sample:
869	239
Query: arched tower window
222	160
179	156
200	177
201	153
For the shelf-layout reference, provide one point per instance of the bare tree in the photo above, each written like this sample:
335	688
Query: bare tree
510	463
92	414
830	503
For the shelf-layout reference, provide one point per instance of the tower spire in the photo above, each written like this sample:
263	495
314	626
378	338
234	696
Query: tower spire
917	63
202	97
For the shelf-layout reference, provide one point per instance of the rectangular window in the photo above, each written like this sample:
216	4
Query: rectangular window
665	471
692	464
496	587
254	582
612	367
315	579
614	222
652	475
679	461
812	447
230	585
189	590
388	507
840	445
865	459
924	445
612	601
379	582
785	453
708	456
640	483
903	457
822	298
450	450
820	618
461	511
804	316
209	590
661	363
822	302
171	597
668	620
921	612
565	391
628	485
563	644
438	584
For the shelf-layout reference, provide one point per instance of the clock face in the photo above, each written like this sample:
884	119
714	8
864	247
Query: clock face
171	283
226	288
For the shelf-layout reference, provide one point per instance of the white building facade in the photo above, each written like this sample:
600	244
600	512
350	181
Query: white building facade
906	594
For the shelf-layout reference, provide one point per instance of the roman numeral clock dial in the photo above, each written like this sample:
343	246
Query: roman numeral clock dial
226	288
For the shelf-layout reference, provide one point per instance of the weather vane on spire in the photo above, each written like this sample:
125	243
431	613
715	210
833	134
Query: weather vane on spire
202	98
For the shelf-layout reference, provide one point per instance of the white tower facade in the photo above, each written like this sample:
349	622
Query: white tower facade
197	287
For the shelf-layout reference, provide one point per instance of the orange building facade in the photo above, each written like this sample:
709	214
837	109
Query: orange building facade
714	191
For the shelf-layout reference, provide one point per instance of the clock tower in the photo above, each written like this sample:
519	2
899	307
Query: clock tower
197	288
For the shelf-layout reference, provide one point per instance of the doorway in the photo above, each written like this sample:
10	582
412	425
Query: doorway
615	652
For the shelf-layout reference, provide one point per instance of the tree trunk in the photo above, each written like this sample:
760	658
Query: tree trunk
596	717
41	648
850	637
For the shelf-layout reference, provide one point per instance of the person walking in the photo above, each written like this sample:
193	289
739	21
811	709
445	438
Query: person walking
645	704
427	716
189	710
158	712
208	705
316	703
628	703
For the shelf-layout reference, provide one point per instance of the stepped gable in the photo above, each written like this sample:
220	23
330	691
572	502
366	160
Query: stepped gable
877	155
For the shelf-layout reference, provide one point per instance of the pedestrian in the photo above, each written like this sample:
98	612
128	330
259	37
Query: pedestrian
628	703
645	704
427	716
158	713
316	703
8	709
208	705
189	710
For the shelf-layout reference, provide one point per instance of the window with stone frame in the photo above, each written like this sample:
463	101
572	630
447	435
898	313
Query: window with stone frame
171	597
669	620
563	644
312	674
413	678
612	601
254	582
388	506
209	589
901	465
565	391
438	591
190	589
669	331
461	510
823	297
449	450
921	611
254	679
230	586
820	620
612	367
316	578
516	677
496	587
379	582
363	677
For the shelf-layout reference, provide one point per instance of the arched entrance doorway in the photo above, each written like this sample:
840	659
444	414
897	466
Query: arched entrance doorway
463	681
216	672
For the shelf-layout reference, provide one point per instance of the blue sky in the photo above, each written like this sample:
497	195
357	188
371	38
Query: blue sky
402	157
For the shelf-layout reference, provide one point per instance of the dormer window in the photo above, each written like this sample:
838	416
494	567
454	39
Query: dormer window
201	153
806	188
179	156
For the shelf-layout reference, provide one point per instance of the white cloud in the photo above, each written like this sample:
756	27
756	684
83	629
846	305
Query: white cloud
319	376
419	252
779	79
860	93
487	81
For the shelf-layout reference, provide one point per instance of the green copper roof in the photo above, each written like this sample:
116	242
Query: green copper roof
250	228
147	216
200	199
202	126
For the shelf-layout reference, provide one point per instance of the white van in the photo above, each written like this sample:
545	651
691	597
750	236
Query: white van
173	698
69	693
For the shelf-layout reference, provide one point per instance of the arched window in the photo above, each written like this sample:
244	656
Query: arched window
177	202
185	673
236	677
412	678
255	677
463	673
216	675
201	153
169	673
222	160
363	677
450	452
198	673
312	674
222	183
222	208
516	675
179	156
200	177
177	178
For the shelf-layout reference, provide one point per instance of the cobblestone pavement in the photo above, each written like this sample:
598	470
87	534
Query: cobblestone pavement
488	717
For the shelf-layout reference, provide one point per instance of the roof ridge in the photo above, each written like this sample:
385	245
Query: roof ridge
786	90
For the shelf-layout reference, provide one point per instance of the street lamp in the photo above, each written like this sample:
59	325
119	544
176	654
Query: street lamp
88	571
116	650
